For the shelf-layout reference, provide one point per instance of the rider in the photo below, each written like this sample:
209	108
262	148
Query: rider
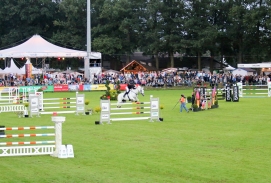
130	85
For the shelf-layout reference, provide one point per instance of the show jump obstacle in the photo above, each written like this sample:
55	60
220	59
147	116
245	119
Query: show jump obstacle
39	105
138	108
51	147
254	91
205	98
8	95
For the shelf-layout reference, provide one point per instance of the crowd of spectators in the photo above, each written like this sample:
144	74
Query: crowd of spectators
152	79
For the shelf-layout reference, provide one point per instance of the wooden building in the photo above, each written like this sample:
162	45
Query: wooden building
137	66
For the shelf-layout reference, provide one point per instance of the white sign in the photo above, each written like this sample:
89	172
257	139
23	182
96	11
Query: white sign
80	100
154	105
105	116
34	102
105	107
255	65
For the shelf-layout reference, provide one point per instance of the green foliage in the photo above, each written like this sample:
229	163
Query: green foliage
235	29
97	109
113	94
26	104
103	97
195	106
110	94
118	87
40	90
86	102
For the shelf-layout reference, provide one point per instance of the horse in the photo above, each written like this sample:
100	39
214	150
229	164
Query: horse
132	95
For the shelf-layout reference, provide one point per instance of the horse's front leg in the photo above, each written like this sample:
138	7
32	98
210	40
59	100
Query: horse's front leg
136	99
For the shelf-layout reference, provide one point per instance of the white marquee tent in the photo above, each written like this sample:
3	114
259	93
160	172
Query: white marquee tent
37	47
13	69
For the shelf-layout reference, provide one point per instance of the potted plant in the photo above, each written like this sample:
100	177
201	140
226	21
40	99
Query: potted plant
26	110
195	108
86	103
161	108
189	99
216	104
97	110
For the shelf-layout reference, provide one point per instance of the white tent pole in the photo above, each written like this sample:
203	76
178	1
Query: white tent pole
86	63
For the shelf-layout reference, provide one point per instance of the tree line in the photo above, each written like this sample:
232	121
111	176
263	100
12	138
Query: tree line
236	30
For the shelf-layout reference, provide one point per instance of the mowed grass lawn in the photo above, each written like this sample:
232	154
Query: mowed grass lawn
228	144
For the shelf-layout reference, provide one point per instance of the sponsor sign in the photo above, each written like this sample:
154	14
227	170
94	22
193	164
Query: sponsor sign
58	88
104	107
154	105
73	87
235	94
100	87
228	94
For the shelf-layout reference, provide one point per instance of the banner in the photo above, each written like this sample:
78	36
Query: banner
101	87
35	88
73	87
28	70
85	87
235	94
123	86
7	89
58	88
228	93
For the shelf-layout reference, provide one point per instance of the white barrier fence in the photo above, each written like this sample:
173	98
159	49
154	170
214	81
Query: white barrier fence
254	90
152	110
39	105
29	148
21	109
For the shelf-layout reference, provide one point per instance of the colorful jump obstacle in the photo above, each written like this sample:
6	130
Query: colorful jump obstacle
204	99
9	95
253	91
51	147
138	108
39	105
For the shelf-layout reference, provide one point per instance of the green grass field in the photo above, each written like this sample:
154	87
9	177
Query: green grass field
228	144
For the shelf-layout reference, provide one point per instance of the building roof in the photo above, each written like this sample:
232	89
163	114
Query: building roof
135	66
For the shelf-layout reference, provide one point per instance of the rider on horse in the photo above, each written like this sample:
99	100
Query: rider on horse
130	85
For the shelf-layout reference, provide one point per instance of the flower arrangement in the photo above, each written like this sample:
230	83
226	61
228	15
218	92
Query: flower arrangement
195	107
111	94
97	109
86	102
161	108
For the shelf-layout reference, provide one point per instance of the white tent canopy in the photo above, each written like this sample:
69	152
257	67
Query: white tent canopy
13	68
229	68
2	71
37	47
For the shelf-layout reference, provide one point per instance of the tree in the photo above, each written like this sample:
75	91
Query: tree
21	19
